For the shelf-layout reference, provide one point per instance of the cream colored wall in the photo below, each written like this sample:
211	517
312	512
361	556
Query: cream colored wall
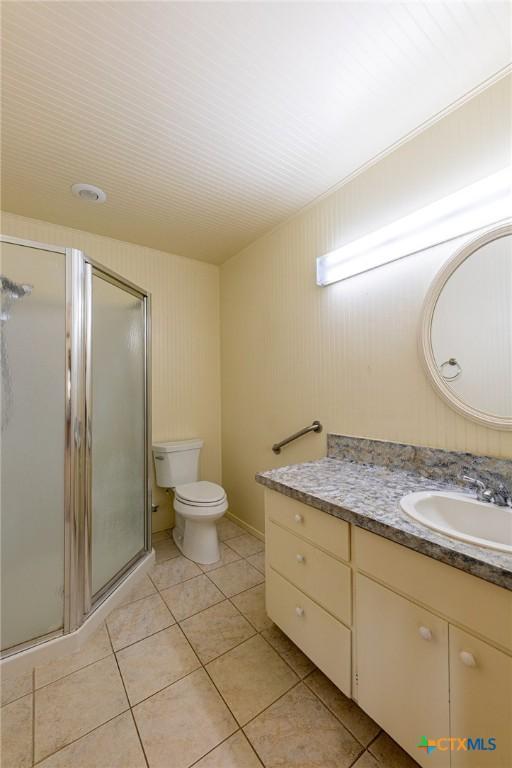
186	355
347	354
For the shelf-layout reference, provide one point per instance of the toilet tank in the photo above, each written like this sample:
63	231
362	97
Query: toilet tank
176	462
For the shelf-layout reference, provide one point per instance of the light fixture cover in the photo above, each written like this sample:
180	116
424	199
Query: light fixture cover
488	201
89	192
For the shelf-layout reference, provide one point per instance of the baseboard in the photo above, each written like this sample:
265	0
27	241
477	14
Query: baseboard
249	528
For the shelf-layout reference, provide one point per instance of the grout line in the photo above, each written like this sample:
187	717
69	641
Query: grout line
82	736
326	705
179	621
358	757
151	634
68	674
139	736
239	730
282	695
127	698
182	677
201	666
168	586
375	739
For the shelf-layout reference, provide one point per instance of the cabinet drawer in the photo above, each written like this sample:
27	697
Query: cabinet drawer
466	599
321	637
319	575
318	527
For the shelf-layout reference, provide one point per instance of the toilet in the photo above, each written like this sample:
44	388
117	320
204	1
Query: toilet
198	504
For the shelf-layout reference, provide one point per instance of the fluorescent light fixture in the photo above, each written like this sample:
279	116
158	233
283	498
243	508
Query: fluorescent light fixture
486	202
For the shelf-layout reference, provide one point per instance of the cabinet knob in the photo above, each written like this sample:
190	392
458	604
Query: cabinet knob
467	658
298	518
300	558
299	611
425	633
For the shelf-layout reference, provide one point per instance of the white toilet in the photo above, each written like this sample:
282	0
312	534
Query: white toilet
198	504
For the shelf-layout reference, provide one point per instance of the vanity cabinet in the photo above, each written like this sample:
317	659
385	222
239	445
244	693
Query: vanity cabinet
402	668
424	648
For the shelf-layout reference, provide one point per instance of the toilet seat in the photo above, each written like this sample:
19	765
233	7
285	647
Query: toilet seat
201	494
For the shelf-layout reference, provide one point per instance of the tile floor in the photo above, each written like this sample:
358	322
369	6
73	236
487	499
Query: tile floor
190	671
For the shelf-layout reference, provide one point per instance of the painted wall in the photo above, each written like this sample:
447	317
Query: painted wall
347	354
186	354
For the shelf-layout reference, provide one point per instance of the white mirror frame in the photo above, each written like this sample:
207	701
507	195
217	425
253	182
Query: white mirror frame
425	340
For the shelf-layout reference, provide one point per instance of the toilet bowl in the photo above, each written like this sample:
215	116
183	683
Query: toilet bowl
198	504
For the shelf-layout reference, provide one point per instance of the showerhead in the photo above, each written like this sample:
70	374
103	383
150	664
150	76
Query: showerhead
14	290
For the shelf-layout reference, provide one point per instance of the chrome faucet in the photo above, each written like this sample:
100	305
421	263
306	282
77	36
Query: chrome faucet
501	496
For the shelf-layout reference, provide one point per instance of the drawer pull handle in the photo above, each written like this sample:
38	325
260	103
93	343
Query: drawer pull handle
298	518
300	558
299	611
467	658
425	633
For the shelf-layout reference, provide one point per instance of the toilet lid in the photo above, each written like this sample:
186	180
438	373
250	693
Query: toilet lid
202	492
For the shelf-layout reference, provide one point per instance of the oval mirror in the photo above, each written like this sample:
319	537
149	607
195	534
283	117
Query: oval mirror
466	329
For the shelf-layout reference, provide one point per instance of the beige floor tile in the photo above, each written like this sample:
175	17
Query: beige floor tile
95	648
297	660
183	722
216	630
299	731
16	734
250	677
14	685
346	710
389	754
246	545
165	550
160	536
236	752
153	663
113	745
252	604
137	620
76	704
258	561
173	571
366	761
236	577
191	596
227	529
143	587
227	555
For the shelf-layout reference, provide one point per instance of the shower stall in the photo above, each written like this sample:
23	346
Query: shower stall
75	474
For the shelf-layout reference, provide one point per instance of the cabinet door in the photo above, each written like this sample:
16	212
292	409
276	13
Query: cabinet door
480	700
402	669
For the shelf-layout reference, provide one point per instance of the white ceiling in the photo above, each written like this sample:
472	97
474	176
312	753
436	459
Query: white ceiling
207	124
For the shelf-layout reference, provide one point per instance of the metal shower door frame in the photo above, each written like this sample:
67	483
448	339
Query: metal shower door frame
91	269
78	599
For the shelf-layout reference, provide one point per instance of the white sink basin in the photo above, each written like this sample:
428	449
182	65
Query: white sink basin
461	517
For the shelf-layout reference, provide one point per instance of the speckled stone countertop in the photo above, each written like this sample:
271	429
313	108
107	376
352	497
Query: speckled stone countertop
368	495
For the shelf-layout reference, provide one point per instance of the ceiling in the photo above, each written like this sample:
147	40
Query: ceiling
207	124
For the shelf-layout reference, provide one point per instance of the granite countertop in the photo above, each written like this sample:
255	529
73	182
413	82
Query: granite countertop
368	495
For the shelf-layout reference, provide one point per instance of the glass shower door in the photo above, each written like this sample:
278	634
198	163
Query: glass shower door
33	411
118	453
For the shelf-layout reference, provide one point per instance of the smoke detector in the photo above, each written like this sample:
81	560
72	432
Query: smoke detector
89	193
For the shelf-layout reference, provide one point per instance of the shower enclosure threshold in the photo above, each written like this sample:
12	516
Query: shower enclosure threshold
43	652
